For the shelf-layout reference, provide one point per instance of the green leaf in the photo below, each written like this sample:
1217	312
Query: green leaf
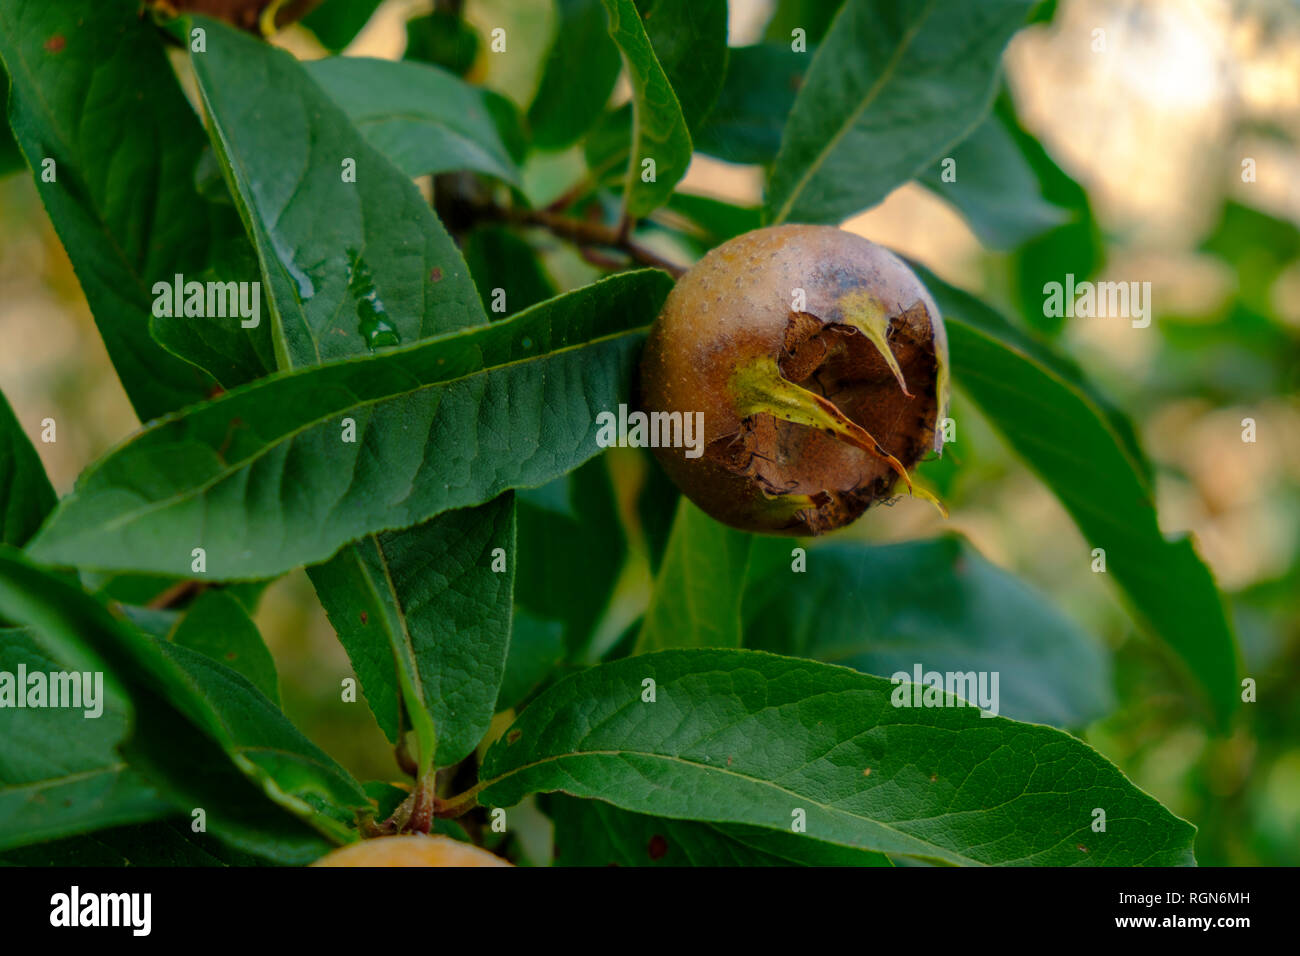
940	604
571	551
261	478
716	220
59	770
701	583
746	123
1088	461
26	495
743	737
656	505
689	38
1074	247
336	23
93	91
421	117
345	262
995	188
195	723
578	77
536	651
594	833
11	157
892	87
217	625
444	40
499	259
814	17
162	843
429	599
659	130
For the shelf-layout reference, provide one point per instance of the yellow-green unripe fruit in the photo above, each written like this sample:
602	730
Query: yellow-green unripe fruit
410	850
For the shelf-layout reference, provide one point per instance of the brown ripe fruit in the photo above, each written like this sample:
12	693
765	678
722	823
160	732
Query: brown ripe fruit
820	364
410	850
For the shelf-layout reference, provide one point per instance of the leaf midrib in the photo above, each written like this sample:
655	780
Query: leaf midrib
197	491
868	99
944	852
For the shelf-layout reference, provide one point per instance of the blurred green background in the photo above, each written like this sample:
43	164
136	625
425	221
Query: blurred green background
1155	129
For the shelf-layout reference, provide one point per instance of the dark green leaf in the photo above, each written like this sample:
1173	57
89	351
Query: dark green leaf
715	220
536	651
11	157
345	262
261	478
1074	247
995	188
59	770
337	22
746	123
578	76
812	16
1073	445
218	625
1258	247
94	93
430	599
26	495
571	551
940	604
499	259
421	117
656	505
594	833
195	723
164	843
701	583
743	737
442	39
689	38
893	86
606	147
659	130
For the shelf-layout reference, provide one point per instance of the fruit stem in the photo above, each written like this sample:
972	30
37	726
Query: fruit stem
424	804
456	806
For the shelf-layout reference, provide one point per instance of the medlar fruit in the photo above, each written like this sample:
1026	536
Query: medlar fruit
410	850
820	364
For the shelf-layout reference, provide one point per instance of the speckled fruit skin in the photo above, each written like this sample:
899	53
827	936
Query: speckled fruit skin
410	850
762	474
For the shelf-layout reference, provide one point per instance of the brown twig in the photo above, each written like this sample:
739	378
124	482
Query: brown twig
178	595
582	232
587	235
